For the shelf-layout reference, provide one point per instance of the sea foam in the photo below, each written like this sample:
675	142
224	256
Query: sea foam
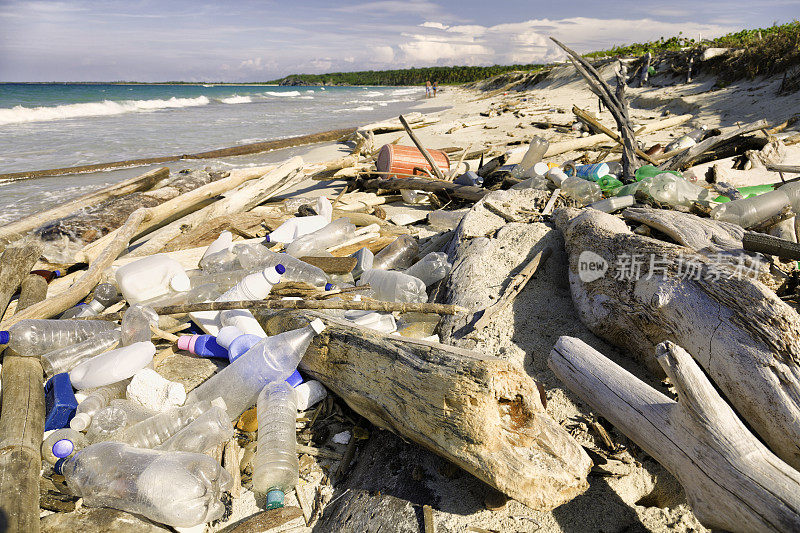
236	99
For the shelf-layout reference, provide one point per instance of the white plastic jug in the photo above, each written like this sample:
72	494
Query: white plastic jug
112	366
151	277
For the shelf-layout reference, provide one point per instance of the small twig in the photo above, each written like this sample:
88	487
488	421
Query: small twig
301	499
453	170
161	334
551	203
427	515
436	170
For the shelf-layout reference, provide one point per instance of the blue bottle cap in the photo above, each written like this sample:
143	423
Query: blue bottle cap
57	273
280	269
274	499
295	379
63	448
329	286
58	467
267	238
5	336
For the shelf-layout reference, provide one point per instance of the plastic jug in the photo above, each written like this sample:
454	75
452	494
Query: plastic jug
276	466
36	337
446	220
150	277
392	286
338	231
112	366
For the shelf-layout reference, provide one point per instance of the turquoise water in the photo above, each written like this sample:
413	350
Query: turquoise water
59	125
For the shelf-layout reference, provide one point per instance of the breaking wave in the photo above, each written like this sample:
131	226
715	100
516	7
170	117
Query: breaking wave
236	99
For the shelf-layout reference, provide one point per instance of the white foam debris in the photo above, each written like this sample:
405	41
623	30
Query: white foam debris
155	392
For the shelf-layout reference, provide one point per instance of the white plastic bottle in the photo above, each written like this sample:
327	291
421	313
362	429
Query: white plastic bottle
534	155
276	467
272	359
383	322
223	242
61	443
175	488
112	366
36	337
256	256
252	287
298	226
105	295
210	429
431	268
66	358
615	203
150	277
392	286
94	401
136	324
317	242
155	430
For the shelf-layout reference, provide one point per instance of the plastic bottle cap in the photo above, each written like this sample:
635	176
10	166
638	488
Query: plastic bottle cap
57	273
184	341
272	275
280	269
274	499
267	238
329	286
180	283
5	336
80	421
317	325
63	448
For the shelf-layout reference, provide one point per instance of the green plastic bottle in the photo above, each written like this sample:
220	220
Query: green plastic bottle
608	183
650	171
747	192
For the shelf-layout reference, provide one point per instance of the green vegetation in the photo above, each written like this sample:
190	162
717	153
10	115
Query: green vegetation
406	76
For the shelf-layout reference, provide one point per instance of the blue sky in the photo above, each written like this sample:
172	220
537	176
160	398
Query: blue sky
145	40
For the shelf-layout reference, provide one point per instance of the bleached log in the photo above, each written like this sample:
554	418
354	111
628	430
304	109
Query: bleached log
732	481
702	235
736	328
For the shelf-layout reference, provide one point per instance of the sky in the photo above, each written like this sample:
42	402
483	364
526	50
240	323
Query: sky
235	41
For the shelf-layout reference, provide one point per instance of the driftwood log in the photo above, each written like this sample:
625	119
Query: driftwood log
732	481
16	262
482	413
465	192
32	290
736	328
689	156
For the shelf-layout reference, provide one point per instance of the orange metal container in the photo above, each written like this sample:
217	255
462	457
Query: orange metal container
408	160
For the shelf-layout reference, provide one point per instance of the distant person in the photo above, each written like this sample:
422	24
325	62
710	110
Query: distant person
428	89
435	88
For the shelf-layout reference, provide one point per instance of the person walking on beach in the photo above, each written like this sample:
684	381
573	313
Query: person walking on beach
435	88
428	89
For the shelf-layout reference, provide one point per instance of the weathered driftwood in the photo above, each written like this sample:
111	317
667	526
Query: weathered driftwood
482	413
736	328
732	481
465	192
702	235
332	265
590	119
32	290
687	157
436	170
139	183
767	244
15	263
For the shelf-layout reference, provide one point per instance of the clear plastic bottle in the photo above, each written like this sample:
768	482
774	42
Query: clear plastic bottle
206	431
105	295
338	231
431	268
256	256
112	366
223	242
179	489
94	401
151	277
534	155
581	190
446	220
136	324
748	212
252	287
670	189
417	325
66	358
109	421
364	259
61	443
35	337
398	255
272	359
155	430
609	205
392	286
221	261
276	466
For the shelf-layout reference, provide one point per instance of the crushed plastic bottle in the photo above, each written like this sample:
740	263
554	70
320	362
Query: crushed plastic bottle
673	190
273	359
431	268
150	277
383	322
35	337
155	430
208	430
95	400
66	358
337	232
276	466
179	489
748	212
112	366
398	255
105	295
62	443
392	286
297	227
221	261
609	205
136	324
534	155
581	190
257	257
109	421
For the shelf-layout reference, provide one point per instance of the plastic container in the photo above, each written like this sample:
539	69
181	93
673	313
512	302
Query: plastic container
383	322
398	255
252	287
257	257
273	359
609	182
154	431
276	466
296	227
66	358
150	277
417	325
556	176
651	171
59	402
446	220
470	178
223	242
309	394
430	269
587	172
62	443
109	421
581	190
609	205
36	337
535	182
48	275
105	295
748	212
94	401
112	366
673	190
364	259
178	489
536	151
394	159
755	190
208	430
681	143
337	232
392	286
136	324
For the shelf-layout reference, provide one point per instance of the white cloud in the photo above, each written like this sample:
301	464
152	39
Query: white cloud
435	25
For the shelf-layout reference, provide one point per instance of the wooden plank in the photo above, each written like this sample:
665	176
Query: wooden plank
16	262
332	265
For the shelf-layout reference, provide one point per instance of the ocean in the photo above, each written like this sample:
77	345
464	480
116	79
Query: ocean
61	124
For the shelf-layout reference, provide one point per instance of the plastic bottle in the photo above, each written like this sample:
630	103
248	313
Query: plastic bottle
587	172
431	268
94	401
273	359
446	220
681	143
383	322
469	178
398	255
109	421
105	295
392	286
364	259
179	489
252	287
581	190
536	151
651	171
748	212
35	337
136	324
48	275
317	242
556	176
299	226
66	358
112	366
210	429
609	182
150	277
221	261
276	466
256	256
536	182
223	242
62	443
154	431
673	190
609	205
